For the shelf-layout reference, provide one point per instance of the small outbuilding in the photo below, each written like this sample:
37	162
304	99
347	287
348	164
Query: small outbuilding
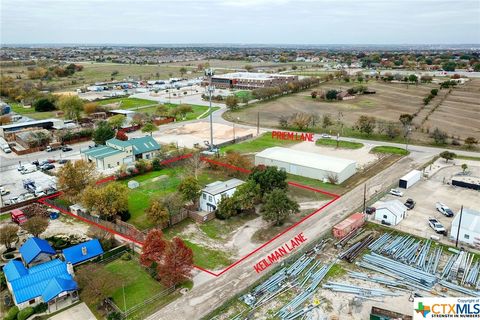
83	252
410	179
391	212
307	164
132	184
348	225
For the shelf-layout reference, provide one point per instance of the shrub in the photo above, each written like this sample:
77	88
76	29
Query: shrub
156	164
126	257
25	313
114	316
124	215
39	308
12	313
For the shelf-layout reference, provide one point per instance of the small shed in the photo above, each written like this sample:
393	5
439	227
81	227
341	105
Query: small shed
348	225
132	184
410	179
391	212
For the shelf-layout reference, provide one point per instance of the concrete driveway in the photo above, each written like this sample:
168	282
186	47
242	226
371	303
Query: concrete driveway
80	311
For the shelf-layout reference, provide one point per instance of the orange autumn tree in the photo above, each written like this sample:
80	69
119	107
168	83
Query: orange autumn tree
173	260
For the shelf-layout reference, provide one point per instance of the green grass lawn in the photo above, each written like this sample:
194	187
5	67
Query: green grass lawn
208	258
138	284
156	184
341	143
31	113
5	216
458	156
197	111
391	150
128	103
220	229
314	183
244	94
258	144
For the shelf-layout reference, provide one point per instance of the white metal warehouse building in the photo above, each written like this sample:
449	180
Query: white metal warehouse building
469	227
307	164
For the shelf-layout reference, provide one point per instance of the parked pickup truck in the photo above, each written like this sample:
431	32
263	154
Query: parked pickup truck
53	146
437	226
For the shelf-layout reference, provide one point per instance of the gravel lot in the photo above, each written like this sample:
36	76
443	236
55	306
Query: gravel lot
427	192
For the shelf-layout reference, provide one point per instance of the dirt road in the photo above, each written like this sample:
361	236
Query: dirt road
212	293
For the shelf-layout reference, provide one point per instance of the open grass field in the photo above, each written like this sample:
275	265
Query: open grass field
127	103
258	144
341	144
197	111
457	115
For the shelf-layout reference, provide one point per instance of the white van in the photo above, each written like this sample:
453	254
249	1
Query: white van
28	168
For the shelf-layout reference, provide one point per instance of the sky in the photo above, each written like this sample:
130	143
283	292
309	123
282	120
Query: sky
240	21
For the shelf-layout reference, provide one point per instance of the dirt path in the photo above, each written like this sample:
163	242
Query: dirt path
212	293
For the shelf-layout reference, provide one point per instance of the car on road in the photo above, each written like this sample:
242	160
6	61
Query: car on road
325	136
370	210
396	192
437	226
47	166
443	209
410	204
66	148
63	161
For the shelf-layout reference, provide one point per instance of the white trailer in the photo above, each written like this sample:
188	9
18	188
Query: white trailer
410	179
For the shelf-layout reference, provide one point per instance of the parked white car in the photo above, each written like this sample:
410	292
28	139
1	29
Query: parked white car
443	209
396	192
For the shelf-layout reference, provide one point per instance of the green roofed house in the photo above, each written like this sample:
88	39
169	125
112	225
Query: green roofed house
117	152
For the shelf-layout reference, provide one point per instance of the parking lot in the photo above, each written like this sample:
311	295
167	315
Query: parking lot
12	180
429	191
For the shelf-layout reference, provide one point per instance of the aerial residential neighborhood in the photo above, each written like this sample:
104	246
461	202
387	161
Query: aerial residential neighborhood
217	159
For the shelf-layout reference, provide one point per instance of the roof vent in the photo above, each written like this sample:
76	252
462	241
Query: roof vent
84	251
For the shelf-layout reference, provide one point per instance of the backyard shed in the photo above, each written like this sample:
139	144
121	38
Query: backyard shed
307	164
409	179
132	184
348	225
390	212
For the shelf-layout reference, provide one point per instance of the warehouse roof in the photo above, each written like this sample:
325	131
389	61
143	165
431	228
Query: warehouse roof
218	187
306	159
470	220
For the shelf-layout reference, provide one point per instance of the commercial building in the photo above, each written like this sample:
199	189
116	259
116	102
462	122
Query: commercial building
38	124
250	80
469	227
117	152
307	164
212	193
390	212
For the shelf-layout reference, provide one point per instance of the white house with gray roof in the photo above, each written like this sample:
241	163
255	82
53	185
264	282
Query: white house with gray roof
212	193
390	212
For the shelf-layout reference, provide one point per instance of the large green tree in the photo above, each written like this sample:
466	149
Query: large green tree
278	206
72	106
74	177
190	189
103	132
107	200
157	213
268	178
149	127
116	121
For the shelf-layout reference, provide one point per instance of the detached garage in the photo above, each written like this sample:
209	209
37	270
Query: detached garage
307	164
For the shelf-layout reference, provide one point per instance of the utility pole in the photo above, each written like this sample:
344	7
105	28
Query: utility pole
459	223
364	198
209	73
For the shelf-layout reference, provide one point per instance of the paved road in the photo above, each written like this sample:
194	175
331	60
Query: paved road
210	294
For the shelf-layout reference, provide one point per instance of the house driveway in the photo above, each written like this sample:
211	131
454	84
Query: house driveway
80	311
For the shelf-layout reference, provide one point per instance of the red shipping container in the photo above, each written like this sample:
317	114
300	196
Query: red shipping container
353	222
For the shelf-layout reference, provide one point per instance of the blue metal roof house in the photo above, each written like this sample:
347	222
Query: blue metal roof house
83	252
36	250
48	281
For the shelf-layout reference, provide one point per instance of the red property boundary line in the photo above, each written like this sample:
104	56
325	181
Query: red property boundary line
222	164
